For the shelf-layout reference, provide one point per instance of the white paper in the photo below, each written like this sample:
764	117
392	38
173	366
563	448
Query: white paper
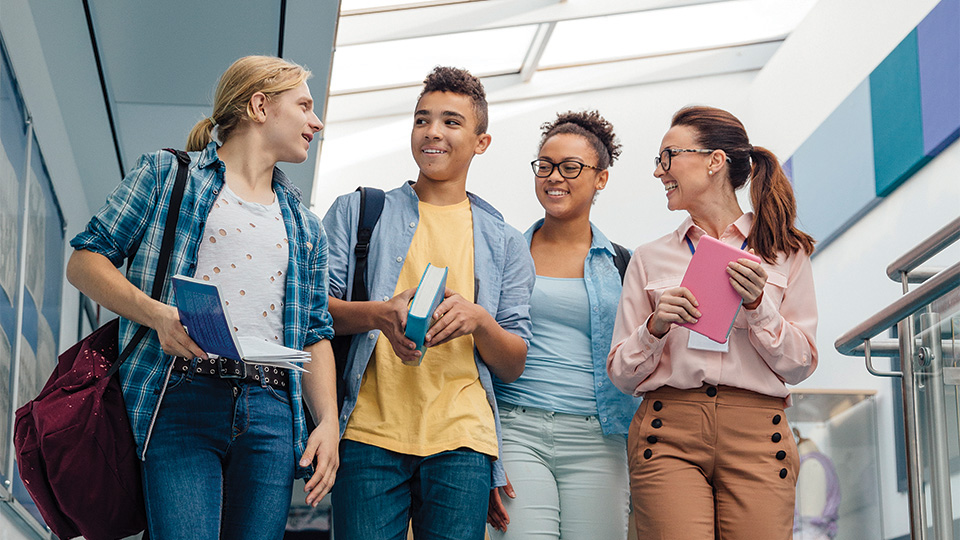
701	342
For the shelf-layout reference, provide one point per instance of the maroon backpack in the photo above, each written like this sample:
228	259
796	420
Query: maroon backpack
75	449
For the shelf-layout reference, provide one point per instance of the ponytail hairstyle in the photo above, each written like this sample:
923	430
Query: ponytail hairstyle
591	126
771	194
231	103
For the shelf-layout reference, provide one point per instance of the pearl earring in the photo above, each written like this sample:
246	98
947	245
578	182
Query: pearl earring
710	173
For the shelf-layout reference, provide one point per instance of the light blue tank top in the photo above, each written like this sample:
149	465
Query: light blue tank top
559	372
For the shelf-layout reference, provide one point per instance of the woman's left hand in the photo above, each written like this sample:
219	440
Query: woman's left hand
747	278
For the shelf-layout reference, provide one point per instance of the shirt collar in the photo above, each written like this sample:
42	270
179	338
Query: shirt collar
209	158
742	225
599	240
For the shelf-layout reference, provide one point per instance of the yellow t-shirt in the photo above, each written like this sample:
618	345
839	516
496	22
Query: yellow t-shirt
439	405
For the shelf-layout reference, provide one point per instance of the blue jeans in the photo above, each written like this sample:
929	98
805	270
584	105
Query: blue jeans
378	492
220	462
571	480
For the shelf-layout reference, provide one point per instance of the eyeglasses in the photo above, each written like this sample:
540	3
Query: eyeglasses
568	169
663	160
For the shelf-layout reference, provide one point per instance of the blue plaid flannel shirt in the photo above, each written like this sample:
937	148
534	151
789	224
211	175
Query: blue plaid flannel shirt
131	223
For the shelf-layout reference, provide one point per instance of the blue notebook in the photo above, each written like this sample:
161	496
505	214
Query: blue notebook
204	313
433	284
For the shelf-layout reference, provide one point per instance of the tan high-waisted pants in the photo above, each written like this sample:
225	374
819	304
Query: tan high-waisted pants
714	462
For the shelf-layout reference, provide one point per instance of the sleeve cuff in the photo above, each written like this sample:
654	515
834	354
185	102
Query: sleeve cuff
762	315
649	343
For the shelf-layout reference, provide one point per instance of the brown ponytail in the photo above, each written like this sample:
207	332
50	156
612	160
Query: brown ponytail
776	209
231	102
770	192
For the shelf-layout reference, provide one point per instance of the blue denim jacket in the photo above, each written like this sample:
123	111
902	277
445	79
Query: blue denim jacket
602	279
503	269
130	225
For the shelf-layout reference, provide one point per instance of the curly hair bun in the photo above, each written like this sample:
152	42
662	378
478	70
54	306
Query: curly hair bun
587	124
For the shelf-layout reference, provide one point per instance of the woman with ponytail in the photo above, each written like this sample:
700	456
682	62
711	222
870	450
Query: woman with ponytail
710	451
564	425
221	440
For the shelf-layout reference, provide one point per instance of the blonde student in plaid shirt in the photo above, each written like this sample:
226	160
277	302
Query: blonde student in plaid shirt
221	441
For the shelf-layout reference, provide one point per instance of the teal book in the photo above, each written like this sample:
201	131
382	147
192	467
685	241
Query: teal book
433	284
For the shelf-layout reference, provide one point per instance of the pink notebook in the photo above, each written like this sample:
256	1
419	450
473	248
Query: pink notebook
706	277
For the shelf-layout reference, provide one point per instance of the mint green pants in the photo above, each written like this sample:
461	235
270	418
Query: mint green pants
571	480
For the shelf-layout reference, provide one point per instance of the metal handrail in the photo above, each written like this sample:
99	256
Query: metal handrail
925	250
890	348
906	305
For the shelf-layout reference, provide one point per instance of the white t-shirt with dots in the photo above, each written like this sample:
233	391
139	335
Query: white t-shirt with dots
245	251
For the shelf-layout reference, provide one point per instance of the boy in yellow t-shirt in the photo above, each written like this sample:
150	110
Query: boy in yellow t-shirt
421	443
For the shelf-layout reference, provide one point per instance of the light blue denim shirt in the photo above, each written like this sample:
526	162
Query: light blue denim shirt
615	409
503	270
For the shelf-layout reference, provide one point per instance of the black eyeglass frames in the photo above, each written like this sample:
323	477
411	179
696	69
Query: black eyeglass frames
663	160
569	169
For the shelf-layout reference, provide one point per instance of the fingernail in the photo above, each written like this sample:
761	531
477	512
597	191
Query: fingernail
303	463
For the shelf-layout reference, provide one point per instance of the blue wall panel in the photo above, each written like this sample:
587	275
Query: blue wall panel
834	169
938	51
897	121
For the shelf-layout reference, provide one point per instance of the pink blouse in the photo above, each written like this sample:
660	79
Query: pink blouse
768	346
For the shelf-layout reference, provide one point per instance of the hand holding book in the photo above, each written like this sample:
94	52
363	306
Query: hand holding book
430	293
703	303
204	313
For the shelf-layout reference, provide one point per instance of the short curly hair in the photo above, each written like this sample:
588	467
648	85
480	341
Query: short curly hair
591	126
459	81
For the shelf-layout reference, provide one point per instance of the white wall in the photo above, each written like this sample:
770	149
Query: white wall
832	51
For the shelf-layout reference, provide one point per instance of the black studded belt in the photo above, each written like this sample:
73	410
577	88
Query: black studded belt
225	368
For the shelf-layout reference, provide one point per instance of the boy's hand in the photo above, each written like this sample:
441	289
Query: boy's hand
321	451
393	319
456	316
497	515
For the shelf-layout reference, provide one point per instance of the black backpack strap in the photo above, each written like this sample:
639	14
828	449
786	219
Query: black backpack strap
371	206
621	259
166	248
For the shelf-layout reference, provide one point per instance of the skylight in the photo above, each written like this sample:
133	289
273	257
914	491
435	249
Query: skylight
647	33
407	61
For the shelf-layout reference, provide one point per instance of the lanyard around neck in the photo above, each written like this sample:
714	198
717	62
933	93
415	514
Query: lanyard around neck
693	250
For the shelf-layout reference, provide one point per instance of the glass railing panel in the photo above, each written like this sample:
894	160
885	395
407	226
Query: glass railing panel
938	412
838	488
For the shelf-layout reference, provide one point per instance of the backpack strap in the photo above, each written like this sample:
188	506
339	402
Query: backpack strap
166	248
621	259
371	206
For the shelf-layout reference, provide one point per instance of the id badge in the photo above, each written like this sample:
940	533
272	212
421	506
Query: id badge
700	342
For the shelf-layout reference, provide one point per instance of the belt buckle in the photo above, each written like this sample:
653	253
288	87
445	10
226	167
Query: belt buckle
229	368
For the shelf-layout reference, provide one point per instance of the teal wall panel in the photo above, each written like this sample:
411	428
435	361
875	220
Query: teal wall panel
897	117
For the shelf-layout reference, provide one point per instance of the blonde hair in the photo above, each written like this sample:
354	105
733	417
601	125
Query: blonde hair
231	103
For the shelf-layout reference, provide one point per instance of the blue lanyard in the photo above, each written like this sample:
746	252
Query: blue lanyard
692	250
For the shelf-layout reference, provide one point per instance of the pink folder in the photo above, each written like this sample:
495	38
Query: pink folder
706	277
